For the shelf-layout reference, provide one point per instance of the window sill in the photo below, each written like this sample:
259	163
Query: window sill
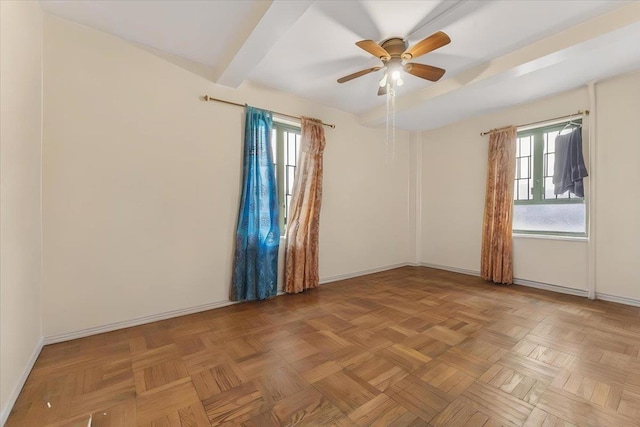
550	237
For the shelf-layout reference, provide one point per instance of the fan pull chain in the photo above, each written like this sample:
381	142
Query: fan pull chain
390	143
393	124
388	130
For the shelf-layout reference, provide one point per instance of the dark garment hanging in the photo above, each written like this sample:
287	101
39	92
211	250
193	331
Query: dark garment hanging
569	169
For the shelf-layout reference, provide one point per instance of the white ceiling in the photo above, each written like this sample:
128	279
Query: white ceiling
502	52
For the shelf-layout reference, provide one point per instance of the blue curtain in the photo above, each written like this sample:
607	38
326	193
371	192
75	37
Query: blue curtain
255	269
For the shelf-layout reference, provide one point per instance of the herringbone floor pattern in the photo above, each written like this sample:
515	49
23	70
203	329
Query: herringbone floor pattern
407	347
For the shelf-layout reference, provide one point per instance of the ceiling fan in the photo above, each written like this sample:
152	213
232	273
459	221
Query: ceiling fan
395	54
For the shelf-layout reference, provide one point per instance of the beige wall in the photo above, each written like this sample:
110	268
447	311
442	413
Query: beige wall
453	188
142	182
20	212
617	220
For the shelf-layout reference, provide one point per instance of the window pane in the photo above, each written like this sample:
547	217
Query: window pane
551	145
287	145
291	170
274	150
551	162
291	148
524	168
525	146
558	218
550	141
548	188
523	189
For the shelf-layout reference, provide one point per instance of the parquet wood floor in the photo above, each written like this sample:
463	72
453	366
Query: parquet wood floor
407	347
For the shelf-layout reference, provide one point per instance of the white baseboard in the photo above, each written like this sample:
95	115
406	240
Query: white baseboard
552	288
622	300
452	269
330	279
18	387
67	336
56	338
522	282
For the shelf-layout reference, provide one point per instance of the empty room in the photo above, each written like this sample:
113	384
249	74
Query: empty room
319	213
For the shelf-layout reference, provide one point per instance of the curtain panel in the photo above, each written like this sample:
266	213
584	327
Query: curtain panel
255	264
496	259
301	255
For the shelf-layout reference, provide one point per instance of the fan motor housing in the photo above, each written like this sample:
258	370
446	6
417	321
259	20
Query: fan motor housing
395	46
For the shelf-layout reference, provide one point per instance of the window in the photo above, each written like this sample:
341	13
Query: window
537	209
285	145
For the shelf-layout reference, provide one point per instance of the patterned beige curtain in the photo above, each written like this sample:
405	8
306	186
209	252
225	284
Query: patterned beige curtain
496	263
301	255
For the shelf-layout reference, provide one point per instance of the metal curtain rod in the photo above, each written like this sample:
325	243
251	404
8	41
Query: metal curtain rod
579	113
208	98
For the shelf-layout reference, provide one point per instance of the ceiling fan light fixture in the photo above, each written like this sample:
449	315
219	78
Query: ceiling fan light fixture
383	80
395	55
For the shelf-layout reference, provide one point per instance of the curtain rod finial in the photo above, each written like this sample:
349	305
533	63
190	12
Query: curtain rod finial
206	97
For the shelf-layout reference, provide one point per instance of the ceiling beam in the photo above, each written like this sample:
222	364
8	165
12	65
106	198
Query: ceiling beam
267	24
531	58
445	14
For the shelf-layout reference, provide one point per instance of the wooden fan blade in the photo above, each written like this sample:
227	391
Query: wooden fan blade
431	43
382	90
427	72
374	49
358	74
